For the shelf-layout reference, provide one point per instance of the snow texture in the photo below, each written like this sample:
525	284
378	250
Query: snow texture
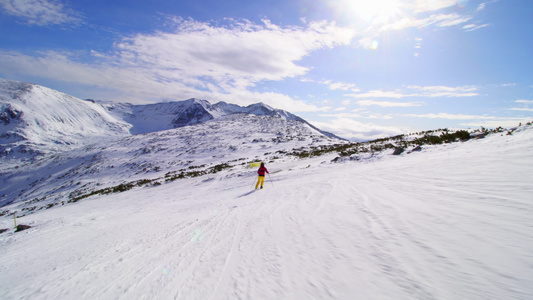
451	222
234	140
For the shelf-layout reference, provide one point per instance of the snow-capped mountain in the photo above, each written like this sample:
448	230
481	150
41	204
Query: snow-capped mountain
70	145
168	115
37	120
232	140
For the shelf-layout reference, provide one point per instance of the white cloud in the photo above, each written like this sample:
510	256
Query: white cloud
504	122
404	23
356	114
426	12
448	116
135	84
521	109
343	86
378	94
472	27
441	88
41	12
507	84
196	59
438	20
358	131
242	53
433	5
277	100
421	91
449	20
444	91
526	105
524	101
388	103
303	79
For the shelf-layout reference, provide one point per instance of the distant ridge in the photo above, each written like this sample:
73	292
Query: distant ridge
168	115
35	120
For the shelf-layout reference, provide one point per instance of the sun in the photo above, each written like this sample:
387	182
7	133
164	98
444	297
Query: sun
376	11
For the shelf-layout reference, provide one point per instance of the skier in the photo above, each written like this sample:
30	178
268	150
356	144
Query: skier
261	173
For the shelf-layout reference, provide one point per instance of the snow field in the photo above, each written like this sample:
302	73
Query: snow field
452	222
233	139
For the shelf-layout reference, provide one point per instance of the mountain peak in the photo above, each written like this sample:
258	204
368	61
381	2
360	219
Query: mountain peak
10	89
36	119
174	114
194	101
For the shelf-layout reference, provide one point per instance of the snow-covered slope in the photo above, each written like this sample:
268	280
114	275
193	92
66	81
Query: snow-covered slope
450	222
54	145
36	120
233	140
169	115
173	215
162	116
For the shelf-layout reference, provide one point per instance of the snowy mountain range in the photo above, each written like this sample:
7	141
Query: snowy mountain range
163	116
53	144
37	120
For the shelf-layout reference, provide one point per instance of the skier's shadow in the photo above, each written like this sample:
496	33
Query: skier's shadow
247	194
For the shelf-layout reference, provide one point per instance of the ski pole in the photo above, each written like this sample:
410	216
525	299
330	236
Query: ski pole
270	179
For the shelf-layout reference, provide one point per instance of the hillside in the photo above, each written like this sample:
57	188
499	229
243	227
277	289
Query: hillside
36	121
169	115
231	141
57	148
450	222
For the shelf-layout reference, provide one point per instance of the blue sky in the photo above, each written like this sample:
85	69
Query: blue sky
360	69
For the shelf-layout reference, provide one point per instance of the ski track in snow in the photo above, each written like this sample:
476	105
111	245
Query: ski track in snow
448	224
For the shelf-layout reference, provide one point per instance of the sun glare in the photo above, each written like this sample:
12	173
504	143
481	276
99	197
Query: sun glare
377	11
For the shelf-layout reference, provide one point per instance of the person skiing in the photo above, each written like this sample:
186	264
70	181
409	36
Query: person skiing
261	173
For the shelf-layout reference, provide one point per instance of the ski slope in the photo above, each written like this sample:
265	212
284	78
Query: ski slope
451	222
